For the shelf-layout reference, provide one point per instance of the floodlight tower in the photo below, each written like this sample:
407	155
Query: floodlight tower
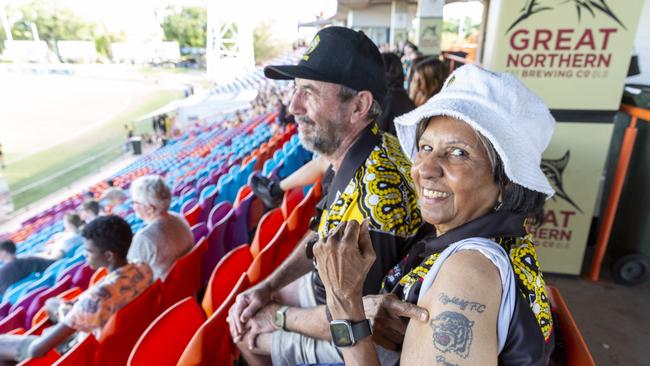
229	47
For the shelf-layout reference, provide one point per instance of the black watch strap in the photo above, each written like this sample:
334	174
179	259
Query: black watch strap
361	329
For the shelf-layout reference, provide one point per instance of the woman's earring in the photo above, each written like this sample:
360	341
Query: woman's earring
497	207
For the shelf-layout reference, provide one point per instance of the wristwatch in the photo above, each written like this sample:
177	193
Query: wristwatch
281	317
346	333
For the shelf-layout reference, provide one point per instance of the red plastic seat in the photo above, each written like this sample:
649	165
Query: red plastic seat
82	353
577	351
225	276
14	320
99	274
267	229
298	221
184	278
211	345
290	200
193	215
272	256
39	301
123	329
165	339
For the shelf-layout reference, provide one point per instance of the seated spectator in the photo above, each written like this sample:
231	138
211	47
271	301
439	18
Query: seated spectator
476	278
427	76
89	210
113	195
397	101
15	269
106	243
167	236
68	240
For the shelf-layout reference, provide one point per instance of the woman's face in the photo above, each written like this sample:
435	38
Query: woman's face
452	174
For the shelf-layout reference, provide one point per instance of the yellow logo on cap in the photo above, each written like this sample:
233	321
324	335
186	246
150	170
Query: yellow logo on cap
312	46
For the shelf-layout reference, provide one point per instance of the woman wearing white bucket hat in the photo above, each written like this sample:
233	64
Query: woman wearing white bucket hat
476	149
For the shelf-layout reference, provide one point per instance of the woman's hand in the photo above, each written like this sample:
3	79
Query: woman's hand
386	314
343	260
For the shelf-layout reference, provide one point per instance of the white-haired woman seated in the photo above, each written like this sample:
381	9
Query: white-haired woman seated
476	149
167	236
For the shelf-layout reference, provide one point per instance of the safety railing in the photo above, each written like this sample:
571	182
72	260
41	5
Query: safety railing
622	165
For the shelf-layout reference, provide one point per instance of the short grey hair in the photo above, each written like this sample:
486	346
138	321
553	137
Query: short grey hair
151	190
346	93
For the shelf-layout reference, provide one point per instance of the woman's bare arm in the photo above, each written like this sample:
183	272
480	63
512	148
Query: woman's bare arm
463	304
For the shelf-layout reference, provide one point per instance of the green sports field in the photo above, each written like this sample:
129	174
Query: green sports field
51	122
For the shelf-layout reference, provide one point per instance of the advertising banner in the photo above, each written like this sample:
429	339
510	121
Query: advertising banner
428	36
573	164
575	55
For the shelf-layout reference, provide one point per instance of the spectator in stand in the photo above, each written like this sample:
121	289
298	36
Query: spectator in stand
339	83
428	76
67	241
397	101
167	236
17	268
106	242
410	53
89	210
113	195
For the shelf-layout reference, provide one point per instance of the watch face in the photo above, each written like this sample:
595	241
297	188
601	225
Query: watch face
341	334
279	319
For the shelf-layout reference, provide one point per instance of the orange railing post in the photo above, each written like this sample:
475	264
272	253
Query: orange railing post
609	214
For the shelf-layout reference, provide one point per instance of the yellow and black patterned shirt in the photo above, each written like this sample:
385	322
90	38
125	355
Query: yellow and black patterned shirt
373	182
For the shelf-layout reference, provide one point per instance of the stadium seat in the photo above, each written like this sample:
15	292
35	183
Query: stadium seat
39	301
184	278
267	229
239	232
98	275
274	253
225	276
26	301
40	319
83	353
49	359
298	220
218	212
165	339
216	244
14	320
199	231
83	277
211	344
290	200
577	351
123	329
192	214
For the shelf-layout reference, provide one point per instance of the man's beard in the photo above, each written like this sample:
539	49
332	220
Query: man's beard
323	140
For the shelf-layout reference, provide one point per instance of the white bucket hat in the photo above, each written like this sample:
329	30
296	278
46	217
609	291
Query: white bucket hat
501	108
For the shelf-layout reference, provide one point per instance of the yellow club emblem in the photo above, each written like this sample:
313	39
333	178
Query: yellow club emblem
312	46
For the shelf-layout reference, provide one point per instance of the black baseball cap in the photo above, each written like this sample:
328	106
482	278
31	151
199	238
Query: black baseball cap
338	55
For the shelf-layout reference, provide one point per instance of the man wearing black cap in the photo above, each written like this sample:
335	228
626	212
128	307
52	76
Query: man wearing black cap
338	83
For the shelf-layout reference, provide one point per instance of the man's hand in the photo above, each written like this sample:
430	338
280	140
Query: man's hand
262	322
385	312
247	304
343	260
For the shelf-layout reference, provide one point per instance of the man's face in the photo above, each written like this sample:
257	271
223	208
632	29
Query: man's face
4	256
323	119
95	257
